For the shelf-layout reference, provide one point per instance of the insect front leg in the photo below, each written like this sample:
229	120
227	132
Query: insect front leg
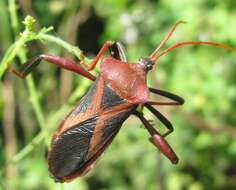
91	65
56	60
158	140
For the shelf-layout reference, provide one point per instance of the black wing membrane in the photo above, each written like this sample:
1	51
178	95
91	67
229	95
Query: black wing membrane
78	147
70	149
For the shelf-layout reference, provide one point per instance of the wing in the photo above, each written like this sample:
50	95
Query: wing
76	149
98	99
69	149
87	131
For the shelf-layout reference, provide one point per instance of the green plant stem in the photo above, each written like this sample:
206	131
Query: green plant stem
19	49
70	48
28	148
34	99
13	49
9	56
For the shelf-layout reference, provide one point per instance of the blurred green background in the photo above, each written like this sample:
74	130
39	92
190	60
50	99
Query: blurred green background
204	76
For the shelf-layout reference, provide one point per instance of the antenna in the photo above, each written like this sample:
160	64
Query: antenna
166	38
154	57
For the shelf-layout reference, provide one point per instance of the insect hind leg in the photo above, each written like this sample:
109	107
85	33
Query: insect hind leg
158	140
94	62
162	118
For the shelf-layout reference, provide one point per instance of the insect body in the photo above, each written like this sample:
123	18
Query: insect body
115	95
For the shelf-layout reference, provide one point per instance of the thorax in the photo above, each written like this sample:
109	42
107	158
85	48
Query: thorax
127	80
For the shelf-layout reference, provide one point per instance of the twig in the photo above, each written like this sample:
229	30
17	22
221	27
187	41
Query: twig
200	123
28	148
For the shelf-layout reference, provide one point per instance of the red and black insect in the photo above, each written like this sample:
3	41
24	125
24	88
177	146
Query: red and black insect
115	95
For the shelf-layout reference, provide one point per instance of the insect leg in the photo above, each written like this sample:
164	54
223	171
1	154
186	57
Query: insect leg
91	65
59	61
158	140
177	99
162	118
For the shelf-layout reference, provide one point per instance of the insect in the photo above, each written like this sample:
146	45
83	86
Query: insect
114	96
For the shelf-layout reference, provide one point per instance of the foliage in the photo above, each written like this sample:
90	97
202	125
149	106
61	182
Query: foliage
31	110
